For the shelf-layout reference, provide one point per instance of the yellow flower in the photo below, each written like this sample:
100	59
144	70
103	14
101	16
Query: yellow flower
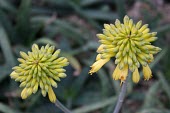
130	44
136	76
120	74
40	68
147	72
97	65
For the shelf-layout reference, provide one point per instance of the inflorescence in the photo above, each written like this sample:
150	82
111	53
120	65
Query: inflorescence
40	68
130	44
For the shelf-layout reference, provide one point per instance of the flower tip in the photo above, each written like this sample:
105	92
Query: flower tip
59	50
97	35
24	93
126	17
23	97
135	82
156	38
105	25
158	49
147	72
35	45
136	76
21	52
146	25
146	79
44	93
51	95
117	21
90	73
140	21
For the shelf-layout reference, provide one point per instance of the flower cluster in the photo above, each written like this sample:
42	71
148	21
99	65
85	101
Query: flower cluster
130	44
40	68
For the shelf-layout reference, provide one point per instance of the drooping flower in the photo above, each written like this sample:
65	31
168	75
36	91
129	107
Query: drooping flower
130	44
40	68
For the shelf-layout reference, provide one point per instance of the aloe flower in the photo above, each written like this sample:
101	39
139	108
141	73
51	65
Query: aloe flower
40	68
130	44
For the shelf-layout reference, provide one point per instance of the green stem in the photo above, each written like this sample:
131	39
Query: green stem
62	107
121	97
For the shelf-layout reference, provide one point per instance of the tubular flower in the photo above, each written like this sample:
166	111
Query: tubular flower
40	68
130	44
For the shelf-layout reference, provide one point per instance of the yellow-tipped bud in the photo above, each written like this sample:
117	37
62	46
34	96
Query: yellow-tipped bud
24	93
130	44
136	76
39	68
147	72
51	95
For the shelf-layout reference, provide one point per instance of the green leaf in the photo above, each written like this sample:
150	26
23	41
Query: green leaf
164	83
78	83
154	110
7	5
89	2
105	83
116	84
23	22
4	70
6	47
46	108
62	3
46	40
7	24
150	99
73	62
100	15
120	5
69	31
163	29
91	45
7	52
5	109
95	106
80	12
89	94
65	28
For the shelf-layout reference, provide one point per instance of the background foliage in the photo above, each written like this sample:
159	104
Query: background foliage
71	25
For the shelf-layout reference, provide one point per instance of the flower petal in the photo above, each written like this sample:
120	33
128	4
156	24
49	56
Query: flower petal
51	95
147	72
116	73
136	76
97	65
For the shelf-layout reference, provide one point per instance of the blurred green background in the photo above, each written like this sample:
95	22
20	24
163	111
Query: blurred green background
71	25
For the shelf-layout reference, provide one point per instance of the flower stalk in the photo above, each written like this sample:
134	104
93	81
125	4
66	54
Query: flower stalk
61	106
121	97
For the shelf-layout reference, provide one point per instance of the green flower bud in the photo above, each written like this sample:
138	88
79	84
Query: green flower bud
39	68
130	44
